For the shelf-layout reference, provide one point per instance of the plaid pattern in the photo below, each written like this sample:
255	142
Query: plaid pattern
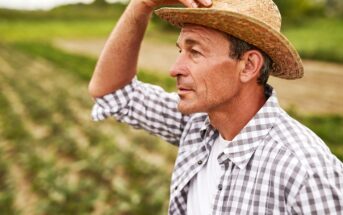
274	165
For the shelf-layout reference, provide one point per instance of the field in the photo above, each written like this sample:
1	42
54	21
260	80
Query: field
54	159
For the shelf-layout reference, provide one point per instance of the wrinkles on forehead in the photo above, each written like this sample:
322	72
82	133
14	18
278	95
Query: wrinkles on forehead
205	37
202	32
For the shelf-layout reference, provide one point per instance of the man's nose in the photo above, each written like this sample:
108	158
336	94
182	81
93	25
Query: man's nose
179	67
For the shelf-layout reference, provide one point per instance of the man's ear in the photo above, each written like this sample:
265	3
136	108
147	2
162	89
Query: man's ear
253	61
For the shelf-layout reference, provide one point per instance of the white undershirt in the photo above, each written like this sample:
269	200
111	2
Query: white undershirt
203	186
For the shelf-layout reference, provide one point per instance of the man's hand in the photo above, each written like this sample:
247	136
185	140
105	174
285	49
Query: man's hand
188	3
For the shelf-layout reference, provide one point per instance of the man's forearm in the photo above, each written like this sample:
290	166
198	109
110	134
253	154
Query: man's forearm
117	64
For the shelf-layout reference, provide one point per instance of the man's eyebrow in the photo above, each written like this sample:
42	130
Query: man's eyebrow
190	42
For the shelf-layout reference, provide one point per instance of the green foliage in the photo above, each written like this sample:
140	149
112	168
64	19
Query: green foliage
100	3
79	65
334	8
48	30
67	13
6	189
13	129
98	11
296	10
319	39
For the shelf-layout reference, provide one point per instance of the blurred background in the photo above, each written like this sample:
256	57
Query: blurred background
55	160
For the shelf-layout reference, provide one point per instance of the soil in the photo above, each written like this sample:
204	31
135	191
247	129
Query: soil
319	92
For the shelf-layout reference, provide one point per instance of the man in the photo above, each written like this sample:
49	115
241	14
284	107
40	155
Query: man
239	152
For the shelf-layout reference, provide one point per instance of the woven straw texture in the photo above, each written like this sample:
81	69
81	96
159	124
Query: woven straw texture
257	22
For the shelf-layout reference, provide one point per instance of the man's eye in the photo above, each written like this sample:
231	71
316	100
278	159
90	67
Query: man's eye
195	53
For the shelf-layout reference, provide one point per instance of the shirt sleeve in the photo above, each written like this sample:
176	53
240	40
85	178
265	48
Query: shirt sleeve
145	106
319	195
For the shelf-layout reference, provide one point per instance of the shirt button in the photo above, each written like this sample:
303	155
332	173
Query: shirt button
220	187
175	188
199	162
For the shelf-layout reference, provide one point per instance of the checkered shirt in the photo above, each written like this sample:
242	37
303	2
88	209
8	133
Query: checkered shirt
275	165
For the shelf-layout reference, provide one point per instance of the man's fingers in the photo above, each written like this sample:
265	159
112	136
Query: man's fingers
206	3
197	3
189	3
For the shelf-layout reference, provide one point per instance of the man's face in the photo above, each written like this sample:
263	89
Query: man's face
207	78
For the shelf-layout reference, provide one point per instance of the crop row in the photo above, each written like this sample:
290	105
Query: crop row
69	166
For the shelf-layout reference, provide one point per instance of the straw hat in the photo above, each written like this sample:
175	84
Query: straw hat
257	22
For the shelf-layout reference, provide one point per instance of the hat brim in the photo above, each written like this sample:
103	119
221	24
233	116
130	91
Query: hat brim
287	63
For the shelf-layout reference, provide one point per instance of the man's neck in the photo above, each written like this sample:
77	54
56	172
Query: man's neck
230	119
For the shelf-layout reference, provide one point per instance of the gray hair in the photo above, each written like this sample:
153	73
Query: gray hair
238	47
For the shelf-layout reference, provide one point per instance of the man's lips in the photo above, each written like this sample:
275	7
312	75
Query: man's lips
184	90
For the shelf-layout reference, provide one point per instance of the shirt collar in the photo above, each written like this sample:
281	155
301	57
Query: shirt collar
243	146
205	127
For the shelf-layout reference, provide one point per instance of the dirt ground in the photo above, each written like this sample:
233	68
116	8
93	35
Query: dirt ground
319	92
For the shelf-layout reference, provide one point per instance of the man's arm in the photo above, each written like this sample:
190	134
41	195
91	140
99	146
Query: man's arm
117	64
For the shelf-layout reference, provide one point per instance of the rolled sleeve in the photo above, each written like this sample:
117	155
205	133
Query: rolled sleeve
145	106
113	104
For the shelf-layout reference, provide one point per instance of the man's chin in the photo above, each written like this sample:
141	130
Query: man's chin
187	109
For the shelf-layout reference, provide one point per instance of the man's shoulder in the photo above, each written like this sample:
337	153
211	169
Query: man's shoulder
291	130
304	145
